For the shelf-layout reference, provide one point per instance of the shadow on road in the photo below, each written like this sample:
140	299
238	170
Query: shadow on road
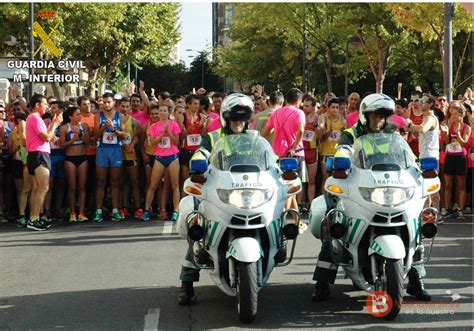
280	306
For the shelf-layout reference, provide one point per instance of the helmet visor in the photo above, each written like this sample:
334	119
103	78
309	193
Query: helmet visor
240	113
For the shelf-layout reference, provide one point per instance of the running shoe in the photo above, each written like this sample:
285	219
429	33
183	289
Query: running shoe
461	215
467	210
21	222
46	220
444	212
82	218
302	227
36	225
146	216
138	213
116	217
174	216
72	217
123	213
98	217
164	215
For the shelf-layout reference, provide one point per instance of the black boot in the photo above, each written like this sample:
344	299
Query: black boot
416	288
321	292
186	294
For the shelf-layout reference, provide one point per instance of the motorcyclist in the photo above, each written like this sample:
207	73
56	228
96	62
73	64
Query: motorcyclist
236	112
373	113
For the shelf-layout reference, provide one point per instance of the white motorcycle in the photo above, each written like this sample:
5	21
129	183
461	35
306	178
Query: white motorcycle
234	218
379	221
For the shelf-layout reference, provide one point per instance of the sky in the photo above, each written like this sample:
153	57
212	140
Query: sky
196	29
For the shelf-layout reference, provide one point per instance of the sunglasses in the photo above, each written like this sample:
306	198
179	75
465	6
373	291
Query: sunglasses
417	100
443	100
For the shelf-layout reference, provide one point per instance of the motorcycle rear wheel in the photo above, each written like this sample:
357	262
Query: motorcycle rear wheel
247	294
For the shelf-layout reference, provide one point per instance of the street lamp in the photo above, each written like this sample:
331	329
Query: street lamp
31	15
202	62
354	40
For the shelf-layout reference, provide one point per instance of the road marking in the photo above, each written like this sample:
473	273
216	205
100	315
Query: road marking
152	319
168	228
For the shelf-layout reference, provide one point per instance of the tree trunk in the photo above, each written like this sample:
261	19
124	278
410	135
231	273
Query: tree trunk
327	70
381	67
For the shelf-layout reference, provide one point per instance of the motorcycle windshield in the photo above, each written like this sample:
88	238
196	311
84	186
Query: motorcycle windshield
382	151
242	153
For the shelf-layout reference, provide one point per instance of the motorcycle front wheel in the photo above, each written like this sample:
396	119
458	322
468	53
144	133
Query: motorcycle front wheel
247	294
394	285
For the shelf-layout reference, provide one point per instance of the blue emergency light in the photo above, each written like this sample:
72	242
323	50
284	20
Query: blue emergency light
198	166
429	163
288	164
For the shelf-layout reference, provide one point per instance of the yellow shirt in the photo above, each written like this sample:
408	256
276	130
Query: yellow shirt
128	140
329	146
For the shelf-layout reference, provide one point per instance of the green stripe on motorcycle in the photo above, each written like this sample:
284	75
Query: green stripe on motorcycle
416	227
213	232
275	229
354	230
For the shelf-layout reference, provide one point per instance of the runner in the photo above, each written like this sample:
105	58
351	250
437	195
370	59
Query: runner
74	138
164	137
130	161
38	160
109	131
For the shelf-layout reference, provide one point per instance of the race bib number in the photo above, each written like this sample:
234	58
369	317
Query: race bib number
164	143
193	140
128	139
454	148
109	138
308	135
334	136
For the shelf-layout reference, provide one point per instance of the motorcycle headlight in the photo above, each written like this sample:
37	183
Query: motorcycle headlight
245	199
387	196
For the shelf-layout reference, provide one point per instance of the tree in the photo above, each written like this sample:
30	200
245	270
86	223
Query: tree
428	20
379	32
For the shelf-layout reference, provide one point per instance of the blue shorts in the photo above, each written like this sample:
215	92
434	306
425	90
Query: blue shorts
109	157
166	160
57	166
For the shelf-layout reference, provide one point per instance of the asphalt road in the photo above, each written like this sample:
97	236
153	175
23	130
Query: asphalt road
125	276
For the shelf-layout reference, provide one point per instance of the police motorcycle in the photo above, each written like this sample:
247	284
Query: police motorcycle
378	222
234	217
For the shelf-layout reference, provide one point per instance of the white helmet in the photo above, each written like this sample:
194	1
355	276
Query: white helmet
376	103
236	107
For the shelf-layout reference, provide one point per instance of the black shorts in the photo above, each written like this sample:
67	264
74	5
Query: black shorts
77	160
185	156
36	159
17	169
455	165
129	163
469	180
